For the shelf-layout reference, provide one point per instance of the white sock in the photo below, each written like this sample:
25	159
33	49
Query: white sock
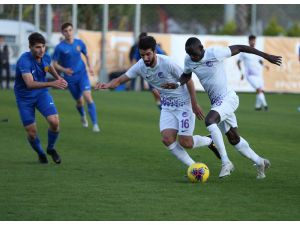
180	153
262	99
244	148
258	102
200	141
217	137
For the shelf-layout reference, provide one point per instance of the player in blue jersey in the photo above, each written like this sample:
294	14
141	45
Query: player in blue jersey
31	92
67	59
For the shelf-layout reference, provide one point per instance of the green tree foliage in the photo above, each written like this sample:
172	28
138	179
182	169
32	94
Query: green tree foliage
229	28
294	31
273	28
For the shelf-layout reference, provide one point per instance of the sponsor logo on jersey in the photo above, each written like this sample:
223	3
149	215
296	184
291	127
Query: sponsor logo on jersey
160	74
46	69
184	114
209	63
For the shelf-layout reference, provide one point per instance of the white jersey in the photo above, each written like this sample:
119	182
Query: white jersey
211	73
165	71
251	64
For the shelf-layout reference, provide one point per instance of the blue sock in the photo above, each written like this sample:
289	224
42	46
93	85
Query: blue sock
52	138
81	110
36	145
92	112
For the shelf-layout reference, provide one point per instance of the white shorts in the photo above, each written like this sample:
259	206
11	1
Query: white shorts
226	109
182	120
256	82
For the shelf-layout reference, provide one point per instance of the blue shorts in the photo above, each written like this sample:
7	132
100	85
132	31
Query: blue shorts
43	102
78	86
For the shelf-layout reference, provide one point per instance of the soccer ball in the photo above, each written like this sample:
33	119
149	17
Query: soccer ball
198	172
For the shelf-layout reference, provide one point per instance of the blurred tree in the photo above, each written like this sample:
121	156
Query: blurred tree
294	31
273	28
229	28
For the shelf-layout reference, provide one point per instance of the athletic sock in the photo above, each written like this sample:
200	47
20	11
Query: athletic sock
180	153
52	138
200	141
81	110
217	137
36	145
262	99
92	112
258	102
245	150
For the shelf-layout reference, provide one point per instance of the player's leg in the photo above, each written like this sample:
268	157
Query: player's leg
85	88
27	115
262	98
91	109
211	121
76	93
169	128
7	77
47	108
242	146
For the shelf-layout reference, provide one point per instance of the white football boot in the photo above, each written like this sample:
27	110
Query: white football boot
96	128
262	168
227	168
84	122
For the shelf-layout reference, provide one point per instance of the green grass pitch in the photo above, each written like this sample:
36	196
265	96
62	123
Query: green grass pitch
125	172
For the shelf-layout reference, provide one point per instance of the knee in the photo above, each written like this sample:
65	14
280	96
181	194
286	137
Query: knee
80	102
54	124
186	142
233	138
31	133
167	141
209	121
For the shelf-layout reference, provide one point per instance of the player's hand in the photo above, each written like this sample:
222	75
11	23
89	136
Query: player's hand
68	71
91	71
60	84
277	60
198	111
102	86
169	86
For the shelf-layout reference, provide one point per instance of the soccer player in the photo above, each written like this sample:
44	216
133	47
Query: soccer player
208	65
253	71
177	117
31	92
67	59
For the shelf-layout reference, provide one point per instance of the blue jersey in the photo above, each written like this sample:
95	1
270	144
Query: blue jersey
28	64
69	56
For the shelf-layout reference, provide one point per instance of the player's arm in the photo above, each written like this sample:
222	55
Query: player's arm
32	84
196	107
262	63
88	62
60	68
236	49
113	83
184	78
240	68
54	73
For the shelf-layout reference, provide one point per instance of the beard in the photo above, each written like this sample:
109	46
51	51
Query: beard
149	63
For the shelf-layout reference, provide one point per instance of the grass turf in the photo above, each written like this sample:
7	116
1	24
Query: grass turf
125	173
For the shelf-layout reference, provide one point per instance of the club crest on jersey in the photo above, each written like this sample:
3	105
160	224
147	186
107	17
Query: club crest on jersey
209	63
46	69
160	74
184	114
78	48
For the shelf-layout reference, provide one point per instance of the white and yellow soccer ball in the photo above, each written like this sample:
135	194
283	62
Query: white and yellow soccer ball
198	172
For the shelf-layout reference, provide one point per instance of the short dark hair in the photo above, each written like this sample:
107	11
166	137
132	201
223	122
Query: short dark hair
147	42
191	44
143	34
251	37
36	38
65	25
